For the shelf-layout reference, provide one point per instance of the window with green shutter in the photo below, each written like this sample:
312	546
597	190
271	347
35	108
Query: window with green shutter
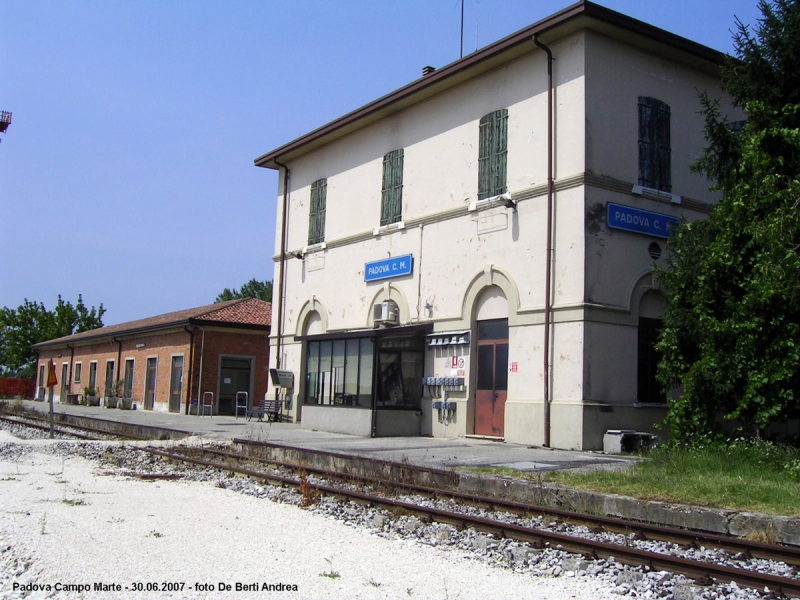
492	153
392	192
316	216
655	152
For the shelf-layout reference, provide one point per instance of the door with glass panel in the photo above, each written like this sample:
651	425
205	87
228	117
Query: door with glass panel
150	384
176	384
492	385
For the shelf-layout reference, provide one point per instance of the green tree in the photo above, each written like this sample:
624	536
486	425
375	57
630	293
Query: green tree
31	323
252	289
731	335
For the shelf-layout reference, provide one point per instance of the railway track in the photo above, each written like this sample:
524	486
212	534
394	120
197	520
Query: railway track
90	434
702	572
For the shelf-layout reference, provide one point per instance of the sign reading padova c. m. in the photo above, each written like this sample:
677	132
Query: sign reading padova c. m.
388	267
639	221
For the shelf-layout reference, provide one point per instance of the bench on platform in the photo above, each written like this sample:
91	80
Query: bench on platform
270	408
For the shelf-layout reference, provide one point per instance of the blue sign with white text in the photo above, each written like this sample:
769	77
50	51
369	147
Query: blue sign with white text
638	220
388	267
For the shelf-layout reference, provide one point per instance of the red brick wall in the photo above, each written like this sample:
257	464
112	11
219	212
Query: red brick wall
163	346
219	343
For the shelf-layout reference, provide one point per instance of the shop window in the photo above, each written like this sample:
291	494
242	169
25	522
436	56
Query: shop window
655	152
493	151
392	191
316	217
339	372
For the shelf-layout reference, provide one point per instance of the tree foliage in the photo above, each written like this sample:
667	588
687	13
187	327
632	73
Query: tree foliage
31	323
252	289
731	335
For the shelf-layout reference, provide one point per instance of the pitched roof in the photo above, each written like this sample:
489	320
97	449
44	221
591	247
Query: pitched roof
249	313
582	14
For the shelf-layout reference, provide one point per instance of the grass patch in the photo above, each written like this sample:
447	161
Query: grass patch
749	475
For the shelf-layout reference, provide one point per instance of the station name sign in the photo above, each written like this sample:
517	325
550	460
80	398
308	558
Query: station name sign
388	267
639	221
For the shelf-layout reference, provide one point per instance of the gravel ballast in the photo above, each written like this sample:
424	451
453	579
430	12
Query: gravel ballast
66	520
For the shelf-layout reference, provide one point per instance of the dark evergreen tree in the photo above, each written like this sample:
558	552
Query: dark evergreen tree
252	289
731	335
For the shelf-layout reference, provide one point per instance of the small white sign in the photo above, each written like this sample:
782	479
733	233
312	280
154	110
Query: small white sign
227	380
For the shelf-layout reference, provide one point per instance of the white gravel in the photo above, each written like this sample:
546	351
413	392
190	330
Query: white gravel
66	520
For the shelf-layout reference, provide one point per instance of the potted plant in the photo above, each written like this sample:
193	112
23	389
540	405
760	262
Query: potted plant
113	392
90	397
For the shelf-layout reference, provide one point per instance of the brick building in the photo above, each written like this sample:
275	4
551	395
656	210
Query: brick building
224	348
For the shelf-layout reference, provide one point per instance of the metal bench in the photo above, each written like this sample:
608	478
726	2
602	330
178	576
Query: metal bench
271	408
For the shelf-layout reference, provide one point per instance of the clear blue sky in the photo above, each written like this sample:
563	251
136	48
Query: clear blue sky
127	173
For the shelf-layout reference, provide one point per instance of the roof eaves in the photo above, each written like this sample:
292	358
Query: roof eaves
438	78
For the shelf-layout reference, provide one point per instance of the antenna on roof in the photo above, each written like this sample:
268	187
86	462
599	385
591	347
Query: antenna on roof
462	29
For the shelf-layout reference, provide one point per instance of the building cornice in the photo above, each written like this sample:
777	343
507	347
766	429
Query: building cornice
583	15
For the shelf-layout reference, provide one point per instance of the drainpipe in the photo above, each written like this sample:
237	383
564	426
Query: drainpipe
284	219
190	369
549	242
119	357
71	359
200	379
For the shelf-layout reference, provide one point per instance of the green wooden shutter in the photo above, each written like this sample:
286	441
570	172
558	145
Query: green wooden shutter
647	162
316	217
392	191
492	154
485	157
664	149
655	151
500	151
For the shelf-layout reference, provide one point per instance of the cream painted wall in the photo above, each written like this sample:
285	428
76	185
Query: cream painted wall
593	368
618	74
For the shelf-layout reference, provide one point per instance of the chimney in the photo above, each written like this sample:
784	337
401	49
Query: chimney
427	70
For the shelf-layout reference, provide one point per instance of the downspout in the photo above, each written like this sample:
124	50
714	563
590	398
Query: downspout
549	242
284	217
119	358
71	360
190	369
200	379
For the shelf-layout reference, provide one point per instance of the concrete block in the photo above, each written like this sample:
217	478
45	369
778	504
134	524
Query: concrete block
785	529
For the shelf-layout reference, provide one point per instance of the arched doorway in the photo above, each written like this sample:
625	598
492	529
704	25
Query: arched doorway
651	311
491	389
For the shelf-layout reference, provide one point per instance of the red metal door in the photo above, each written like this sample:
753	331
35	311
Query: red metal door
491	390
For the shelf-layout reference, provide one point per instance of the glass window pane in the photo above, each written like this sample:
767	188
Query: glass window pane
493	330
501	367
325	350
338	353
312	364
412	378
365	373
485	367
351	372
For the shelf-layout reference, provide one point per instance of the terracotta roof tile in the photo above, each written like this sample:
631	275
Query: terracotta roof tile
247	311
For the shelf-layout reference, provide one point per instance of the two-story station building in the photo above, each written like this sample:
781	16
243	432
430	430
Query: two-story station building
472	254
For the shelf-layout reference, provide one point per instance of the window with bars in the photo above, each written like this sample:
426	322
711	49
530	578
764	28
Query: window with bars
493	151
655	152
316	217
392	192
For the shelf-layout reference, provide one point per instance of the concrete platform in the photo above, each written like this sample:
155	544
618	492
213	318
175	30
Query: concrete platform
448	454
421	451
